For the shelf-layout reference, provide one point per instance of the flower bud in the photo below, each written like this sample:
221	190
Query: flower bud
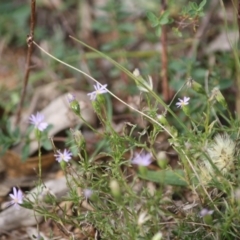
74	105
136	72
220	98
161	118
207	216
115	188
79	139
196	86
157	236
162	159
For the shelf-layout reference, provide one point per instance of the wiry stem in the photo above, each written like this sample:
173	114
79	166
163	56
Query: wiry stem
28	62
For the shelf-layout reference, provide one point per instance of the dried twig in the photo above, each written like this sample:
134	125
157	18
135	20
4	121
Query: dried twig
237	64
30	39
238	20
164	58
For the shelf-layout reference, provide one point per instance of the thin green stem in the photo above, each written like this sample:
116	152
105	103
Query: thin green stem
39	161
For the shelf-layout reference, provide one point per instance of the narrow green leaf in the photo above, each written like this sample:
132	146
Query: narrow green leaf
202	4
164	19
153	19
166	177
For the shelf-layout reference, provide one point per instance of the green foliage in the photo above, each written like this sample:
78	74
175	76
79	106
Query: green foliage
201	137
158	22
194	10
8	137
167	177
115	20
13	19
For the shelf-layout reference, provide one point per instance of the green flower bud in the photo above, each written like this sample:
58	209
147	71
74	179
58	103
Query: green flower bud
208	219
157	236
207	216
74	105
79	139
197	87
161	118
115	188
162	159
220	98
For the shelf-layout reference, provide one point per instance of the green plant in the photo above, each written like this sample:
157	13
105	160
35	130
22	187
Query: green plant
127	188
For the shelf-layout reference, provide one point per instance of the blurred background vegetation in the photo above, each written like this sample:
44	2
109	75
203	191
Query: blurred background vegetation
125	31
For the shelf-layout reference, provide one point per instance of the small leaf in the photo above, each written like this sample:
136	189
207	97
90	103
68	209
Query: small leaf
47	145
164	19
194	6
25	152
202	4
27	205
153	19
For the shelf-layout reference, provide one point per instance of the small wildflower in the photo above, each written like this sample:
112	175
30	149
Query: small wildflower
99	89
37	121
222	152
204	212
17	197
183	102
70	97
142	159
207	216
63	156
87	193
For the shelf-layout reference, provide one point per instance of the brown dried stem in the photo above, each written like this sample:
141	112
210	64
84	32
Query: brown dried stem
237	63
30	39
164	59
238	20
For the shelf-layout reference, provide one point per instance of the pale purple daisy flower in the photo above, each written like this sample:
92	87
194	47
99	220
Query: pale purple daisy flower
205	212
142	159
17	197
37	121
63	156
99	89
70	97
87	193
183	102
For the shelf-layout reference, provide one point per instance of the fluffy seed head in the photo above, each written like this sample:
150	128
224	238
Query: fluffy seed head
221	152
